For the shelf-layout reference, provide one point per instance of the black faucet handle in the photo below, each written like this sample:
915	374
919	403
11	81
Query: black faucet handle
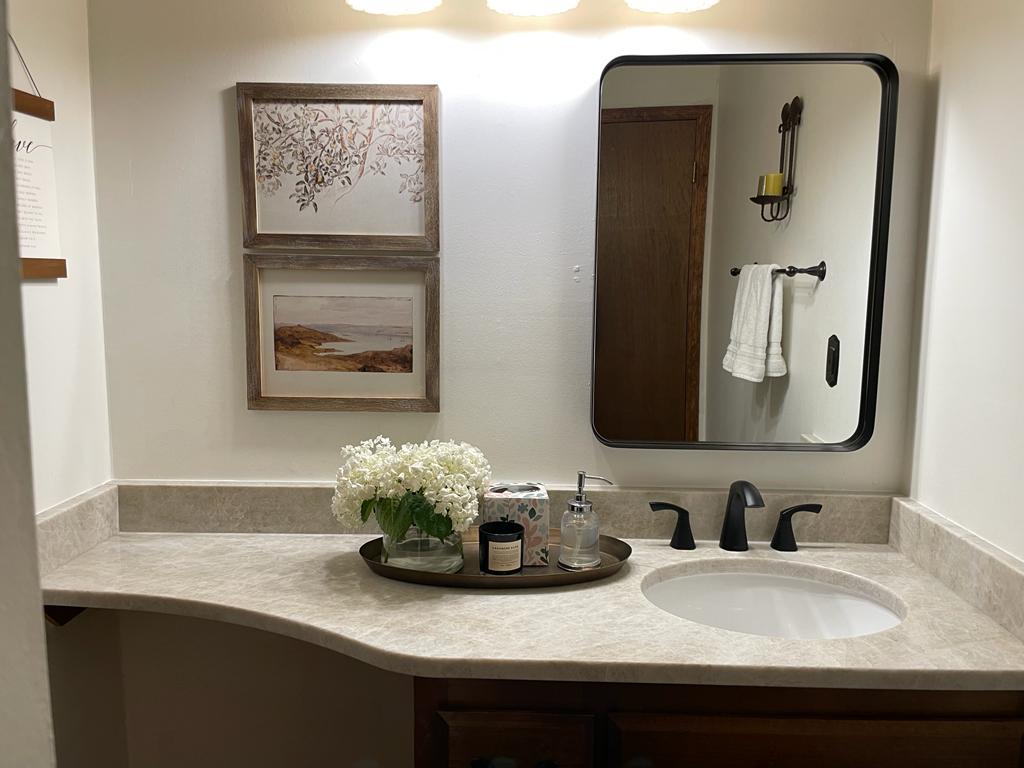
784	540
682	537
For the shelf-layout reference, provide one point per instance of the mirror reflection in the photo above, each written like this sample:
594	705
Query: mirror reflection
736	209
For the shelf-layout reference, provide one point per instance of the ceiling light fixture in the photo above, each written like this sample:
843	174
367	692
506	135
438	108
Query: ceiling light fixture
393	7
670	6
531	7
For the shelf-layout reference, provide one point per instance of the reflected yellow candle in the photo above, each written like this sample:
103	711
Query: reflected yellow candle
773	184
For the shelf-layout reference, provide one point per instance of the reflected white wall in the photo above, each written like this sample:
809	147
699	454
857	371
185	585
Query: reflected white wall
830	220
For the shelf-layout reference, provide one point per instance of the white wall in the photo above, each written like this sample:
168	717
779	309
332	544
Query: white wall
970	428
25	734
63	318
830	220
518	135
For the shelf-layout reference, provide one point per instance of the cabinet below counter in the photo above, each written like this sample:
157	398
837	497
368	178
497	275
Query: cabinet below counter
507	724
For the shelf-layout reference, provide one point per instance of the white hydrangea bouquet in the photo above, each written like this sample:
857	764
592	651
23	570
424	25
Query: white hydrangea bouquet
423	496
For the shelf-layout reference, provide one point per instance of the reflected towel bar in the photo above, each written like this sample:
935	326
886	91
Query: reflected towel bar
791	271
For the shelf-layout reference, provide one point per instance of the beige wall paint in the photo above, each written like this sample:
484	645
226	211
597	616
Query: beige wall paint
518	123
970	425
26	738
63	318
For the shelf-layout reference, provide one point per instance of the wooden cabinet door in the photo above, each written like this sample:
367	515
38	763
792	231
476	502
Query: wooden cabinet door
518	740
684	741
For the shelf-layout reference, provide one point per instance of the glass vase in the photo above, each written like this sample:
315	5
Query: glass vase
420	552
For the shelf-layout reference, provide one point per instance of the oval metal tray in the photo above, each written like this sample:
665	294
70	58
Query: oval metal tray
614	553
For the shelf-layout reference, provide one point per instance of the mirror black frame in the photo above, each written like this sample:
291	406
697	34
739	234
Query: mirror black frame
889	77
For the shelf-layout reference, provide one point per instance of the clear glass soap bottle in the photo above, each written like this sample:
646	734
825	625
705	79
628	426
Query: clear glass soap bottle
579	548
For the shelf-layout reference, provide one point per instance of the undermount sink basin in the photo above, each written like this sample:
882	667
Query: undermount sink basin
786	600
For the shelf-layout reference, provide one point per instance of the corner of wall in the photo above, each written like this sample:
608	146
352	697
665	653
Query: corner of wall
63	319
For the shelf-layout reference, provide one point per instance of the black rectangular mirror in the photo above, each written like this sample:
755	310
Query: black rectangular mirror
742	224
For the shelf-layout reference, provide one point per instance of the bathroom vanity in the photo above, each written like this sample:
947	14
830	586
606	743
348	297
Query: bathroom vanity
597	674
768	721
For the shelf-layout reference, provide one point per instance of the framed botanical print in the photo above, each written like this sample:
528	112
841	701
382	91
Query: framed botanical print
339	167
342	333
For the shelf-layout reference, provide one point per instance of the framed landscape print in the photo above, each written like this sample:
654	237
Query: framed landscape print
342	333
339	167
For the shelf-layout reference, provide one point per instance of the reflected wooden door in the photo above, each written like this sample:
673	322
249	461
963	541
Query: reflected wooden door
652	202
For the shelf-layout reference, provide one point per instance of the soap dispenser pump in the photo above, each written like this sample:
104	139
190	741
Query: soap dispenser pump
580	549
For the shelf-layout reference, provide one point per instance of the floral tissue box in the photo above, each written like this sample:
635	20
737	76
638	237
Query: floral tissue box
527	504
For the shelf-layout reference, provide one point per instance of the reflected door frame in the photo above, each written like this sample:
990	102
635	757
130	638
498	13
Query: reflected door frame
701	115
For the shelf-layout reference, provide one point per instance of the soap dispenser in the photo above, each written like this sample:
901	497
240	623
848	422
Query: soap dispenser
580	532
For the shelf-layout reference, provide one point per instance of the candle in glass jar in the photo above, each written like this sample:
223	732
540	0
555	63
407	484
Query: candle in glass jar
501	548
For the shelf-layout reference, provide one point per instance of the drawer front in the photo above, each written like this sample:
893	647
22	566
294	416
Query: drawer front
681	741
486	739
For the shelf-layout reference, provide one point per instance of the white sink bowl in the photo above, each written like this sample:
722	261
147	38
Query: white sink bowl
776	599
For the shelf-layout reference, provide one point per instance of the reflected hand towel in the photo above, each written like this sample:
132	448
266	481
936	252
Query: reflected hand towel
755	341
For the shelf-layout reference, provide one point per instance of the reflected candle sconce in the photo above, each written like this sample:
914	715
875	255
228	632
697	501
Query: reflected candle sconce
775	190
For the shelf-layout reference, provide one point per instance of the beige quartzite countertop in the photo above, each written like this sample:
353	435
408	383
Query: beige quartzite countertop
316	588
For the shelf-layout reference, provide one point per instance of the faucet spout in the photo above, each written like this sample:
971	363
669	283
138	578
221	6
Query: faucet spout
742	494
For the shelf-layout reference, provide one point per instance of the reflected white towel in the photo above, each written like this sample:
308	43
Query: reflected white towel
774	363
755	341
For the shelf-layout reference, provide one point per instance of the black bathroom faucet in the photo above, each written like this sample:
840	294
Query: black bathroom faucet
742	494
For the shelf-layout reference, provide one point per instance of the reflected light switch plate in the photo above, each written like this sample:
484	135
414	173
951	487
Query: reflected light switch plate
832	361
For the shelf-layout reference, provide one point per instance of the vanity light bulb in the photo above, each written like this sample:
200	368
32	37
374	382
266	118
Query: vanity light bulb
531	7
670	6
394	7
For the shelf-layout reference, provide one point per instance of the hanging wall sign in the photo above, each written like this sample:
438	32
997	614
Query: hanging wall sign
36	187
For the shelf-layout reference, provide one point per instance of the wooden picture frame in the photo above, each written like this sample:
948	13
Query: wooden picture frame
29	104
395	160
258	372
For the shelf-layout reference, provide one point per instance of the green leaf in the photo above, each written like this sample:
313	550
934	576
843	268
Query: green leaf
438	526
393	518
412	502
421	509
367	509
426	519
